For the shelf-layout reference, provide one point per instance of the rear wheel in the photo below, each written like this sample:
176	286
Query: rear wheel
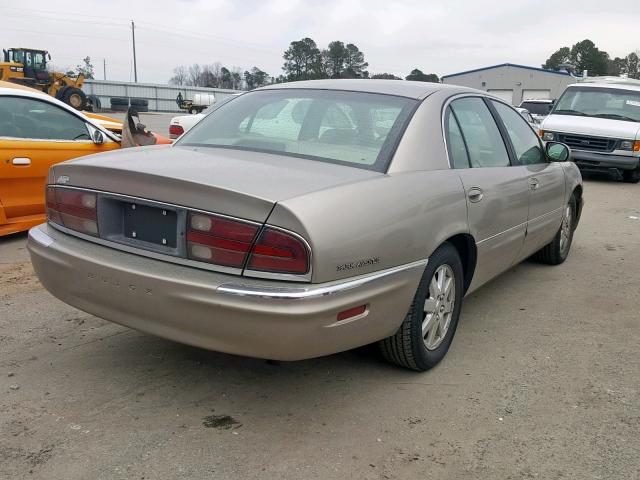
426	333
631	176
557	251
75	97
193	110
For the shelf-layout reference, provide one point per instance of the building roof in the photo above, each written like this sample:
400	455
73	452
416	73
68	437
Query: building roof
514	65
403	88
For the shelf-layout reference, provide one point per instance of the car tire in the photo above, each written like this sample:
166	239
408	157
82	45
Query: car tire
193	110
409	347
75	97
119	101
557	251
94	101
631	176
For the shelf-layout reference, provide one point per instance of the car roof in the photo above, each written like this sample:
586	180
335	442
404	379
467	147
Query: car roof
605	84
403	88
538	100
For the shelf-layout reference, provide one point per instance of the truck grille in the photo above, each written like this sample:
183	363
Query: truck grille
584	142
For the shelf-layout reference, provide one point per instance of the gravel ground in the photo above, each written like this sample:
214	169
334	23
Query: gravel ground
542	381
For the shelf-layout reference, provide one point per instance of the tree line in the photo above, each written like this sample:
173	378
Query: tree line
584	55
303	60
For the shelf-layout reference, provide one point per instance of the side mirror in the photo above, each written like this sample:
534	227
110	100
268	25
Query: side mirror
557	152
97	137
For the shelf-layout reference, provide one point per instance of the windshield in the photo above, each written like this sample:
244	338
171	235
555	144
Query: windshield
613	103
350	128
537	108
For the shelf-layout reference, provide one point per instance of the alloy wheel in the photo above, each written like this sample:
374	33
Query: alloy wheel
438	307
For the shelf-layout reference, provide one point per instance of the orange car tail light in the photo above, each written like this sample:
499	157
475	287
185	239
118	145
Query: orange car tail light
73	209
278	252
219	240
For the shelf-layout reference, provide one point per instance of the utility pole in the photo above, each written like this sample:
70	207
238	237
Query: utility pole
104	68
133	36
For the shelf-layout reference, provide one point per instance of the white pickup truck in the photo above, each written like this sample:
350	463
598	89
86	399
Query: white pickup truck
600	120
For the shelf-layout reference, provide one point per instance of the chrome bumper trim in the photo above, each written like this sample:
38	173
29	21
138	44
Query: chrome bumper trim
39	236
304	293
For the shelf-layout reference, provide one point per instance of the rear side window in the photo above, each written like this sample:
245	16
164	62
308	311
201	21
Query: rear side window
525	142
351	128
483	140
33	119
457	149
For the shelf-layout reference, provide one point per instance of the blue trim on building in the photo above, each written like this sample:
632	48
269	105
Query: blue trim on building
506	65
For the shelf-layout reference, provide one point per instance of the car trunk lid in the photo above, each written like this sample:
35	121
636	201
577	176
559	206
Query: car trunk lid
242	184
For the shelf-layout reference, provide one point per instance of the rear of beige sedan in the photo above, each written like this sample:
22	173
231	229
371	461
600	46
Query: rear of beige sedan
289	247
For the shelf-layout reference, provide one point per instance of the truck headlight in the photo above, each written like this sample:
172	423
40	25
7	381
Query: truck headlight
630	145
547	136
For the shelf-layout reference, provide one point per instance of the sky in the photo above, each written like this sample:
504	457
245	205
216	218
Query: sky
396	36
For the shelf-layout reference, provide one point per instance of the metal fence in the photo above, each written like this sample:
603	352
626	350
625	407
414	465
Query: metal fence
161	98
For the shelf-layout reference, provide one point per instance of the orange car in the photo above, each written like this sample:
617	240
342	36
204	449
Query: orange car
36	132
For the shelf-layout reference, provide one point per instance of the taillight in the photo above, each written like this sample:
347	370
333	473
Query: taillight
219	240
276	251
175	131
73	209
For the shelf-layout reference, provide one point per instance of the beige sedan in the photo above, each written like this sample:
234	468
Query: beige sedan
309	218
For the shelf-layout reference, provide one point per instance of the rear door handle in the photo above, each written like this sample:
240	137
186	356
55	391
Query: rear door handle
534	184
21	161
475	194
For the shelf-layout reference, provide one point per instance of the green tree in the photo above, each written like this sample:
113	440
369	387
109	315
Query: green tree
335	57
255	78
385	76
85	68
355	65
584	55
303	60
418	76
557	58
632	67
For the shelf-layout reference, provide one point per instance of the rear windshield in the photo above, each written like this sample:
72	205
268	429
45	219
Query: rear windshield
350	128
536	108
613	103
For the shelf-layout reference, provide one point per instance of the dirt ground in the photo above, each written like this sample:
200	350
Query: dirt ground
542	381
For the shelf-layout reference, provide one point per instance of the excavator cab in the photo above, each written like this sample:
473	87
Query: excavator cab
33	63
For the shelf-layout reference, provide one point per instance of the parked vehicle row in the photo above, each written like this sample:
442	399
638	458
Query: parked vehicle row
36	132
308	218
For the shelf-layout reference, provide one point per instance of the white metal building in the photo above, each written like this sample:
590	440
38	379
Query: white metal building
514	83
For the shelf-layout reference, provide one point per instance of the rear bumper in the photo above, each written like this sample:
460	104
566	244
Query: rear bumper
274	320
590	161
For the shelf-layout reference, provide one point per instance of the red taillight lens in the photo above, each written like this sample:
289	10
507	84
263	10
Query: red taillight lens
175	131
73	209
279	252
219	240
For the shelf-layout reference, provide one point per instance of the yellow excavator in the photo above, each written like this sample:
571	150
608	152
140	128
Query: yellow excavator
28	67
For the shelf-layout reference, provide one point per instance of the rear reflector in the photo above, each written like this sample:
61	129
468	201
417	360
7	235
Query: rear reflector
175	131
219	240
73	209
279	252
352	312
